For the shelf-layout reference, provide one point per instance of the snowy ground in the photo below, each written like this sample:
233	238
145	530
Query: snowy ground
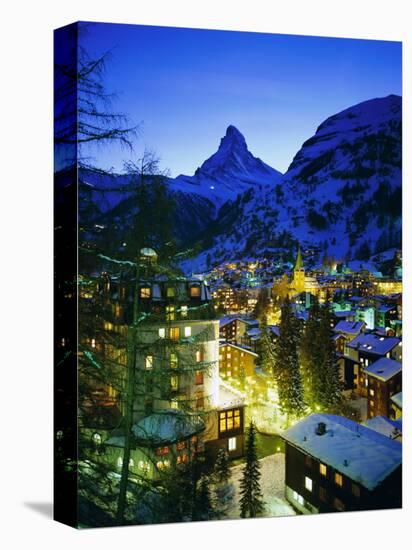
272	484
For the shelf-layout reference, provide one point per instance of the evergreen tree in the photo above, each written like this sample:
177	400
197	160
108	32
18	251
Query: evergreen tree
251	502
224	489
331	386
203	505
222	471
286	366
310	357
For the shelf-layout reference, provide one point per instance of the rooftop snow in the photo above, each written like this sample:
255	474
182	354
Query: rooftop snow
363	455
397	399
168	426
384	368
384	426
373	343
349	327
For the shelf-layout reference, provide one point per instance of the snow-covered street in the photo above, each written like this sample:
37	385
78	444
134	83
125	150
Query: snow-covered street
272	484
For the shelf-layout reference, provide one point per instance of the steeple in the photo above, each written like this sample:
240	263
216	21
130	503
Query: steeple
299	261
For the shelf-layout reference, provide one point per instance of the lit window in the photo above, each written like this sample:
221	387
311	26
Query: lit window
195	291
170	313
298	498
229	356
188	331
371	392
308	483
170	292
174	404
149	362
93	342
199	356
183	311
97	438
231	444
162	333
228	420
131	463
338	479
173	361
323	469
372	403
174	333
145	292
174	382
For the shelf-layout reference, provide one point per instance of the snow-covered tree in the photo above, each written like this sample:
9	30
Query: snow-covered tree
251	501
286	366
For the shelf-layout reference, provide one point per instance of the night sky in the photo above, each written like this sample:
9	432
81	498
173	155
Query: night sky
186	86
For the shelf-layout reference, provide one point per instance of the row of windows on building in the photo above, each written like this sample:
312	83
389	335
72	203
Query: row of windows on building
229	420
146	292
337	503
337	478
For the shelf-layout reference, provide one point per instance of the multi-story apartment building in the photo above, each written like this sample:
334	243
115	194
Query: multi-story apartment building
384	380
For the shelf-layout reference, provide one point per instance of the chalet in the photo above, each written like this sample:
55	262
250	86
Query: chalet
365	349
236	361
384	379
234	329
334	464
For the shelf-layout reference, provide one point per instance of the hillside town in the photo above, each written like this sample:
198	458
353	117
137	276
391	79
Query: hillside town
212	376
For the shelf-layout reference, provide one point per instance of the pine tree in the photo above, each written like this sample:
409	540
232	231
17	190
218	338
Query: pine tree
331	386
310	357
222	471
203	506
286	366
251	502
224	489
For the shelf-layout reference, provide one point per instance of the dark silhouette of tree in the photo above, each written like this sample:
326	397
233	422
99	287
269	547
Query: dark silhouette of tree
251	501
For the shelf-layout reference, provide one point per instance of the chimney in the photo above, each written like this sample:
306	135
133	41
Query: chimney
321	428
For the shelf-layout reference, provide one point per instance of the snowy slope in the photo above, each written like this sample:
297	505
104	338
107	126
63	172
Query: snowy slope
229	172
341	193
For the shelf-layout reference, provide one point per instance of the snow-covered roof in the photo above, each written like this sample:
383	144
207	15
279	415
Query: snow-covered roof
397	399
229	397
384	368
385	426
241	348
167	426
372	343
274	329
349	327
362	454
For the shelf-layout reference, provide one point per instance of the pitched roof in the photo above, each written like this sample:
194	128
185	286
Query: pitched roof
362	454
397	399
350	327
373	343
384	368
385	426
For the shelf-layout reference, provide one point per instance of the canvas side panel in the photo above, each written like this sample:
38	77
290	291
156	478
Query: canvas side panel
65	275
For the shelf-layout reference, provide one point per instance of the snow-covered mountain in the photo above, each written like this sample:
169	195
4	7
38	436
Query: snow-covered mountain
228	173
341	193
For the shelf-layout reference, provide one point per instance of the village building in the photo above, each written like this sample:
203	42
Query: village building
384	379
334	464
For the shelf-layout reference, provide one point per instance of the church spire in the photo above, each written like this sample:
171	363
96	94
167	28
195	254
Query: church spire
299	261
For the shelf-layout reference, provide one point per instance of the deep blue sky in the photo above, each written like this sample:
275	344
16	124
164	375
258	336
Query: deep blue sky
187	86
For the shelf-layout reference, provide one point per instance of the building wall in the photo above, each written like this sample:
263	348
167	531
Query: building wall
235	363
379	394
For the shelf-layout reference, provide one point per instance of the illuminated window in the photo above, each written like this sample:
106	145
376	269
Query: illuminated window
161	451
183	311
170	313
371	392
195	291
174	333
97	438
149	362
199	356
372	403
308	484
174	404
338	479
298	498
229	420
174	383
323	469
199	378
229	356
162	333
145	292
231	444
188	331
93	342
173	361
180	445
170	292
